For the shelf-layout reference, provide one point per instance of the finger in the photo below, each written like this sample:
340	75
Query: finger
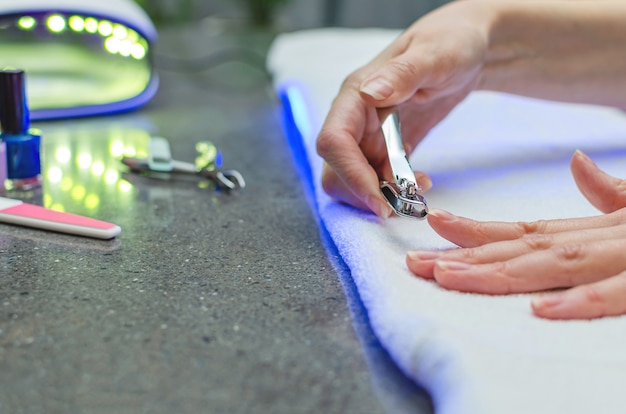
368	200
397	76
423	180
596	300
422	262
560	266
603	191
466	232
349	175
337	189
414	69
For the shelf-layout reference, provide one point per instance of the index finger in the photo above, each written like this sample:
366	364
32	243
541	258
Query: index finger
465	232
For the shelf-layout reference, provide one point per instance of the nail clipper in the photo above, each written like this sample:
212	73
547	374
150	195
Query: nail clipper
403	195
160	161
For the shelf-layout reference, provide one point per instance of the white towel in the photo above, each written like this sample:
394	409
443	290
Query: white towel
495	157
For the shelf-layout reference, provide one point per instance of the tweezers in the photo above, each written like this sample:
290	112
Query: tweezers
403	194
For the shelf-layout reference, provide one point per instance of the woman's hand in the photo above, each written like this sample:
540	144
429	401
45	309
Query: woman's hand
586	255
425	72
561	50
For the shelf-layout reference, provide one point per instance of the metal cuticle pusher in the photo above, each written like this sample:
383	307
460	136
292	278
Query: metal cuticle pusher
403	195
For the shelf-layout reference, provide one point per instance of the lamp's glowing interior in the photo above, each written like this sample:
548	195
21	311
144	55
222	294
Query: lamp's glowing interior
74	60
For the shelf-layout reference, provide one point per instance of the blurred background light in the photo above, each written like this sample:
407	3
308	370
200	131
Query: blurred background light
56	23
77	23
26	22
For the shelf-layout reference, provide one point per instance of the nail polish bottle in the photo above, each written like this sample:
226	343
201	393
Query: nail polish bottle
22	143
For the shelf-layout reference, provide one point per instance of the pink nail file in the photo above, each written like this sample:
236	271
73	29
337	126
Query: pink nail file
29	215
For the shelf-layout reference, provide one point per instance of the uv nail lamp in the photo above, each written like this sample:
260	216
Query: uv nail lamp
81	57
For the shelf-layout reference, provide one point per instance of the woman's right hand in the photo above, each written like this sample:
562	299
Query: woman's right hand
425	73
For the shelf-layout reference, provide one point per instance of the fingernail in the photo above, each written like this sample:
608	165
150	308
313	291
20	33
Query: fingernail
426	183
422	255
583	156
441	214
546	301
378	88
449	265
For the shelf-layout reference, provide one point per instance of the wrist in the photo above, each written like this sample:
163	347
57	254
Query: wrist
506	49
558	50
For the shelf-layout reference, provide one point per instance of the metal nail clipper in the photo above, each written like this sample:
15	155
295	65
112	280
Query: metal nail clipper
403	195
160	161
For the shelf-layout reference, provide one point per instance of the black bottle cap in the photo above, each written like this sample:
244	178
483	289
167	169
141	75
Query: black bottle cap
14	117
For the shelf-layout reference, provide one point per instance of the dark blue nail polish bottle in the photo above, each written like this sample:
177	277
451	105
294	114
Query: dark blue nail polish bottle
22	143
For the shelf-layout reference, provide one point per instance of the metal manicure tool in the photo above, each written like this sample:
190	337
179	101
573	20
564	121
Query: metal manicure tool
403	195
160	162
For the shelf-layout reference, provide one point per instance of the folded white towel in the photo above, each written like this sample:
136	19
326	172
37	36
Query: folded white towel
495	157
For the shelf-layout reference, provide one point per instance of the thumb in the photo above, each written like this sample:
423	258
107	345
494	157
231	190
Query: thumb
395	82
602	190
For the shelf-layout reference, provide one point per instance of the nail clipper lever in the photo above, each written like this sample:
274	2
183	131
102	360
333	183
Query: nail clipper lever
403	195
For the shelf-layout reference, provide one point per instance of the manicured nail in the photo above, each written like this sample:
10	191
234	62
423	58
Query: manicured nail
423	255
580	153
378	88
441	214
449	265
546	301
584	157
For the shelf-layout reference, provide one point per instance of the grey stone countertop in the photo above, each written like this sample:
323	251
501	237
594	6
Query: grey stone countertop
207	302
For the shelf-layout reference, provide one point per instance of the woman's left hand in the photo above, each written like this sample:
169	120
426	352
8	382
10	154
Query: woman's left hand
587	256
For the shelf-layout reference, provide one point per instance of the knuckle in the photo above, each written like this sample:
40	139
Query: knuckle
502	268
593	295
465	255
354	79
404	68
504	271
468	254
352	82
325	143
481	233
537	241
532	227
569	252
